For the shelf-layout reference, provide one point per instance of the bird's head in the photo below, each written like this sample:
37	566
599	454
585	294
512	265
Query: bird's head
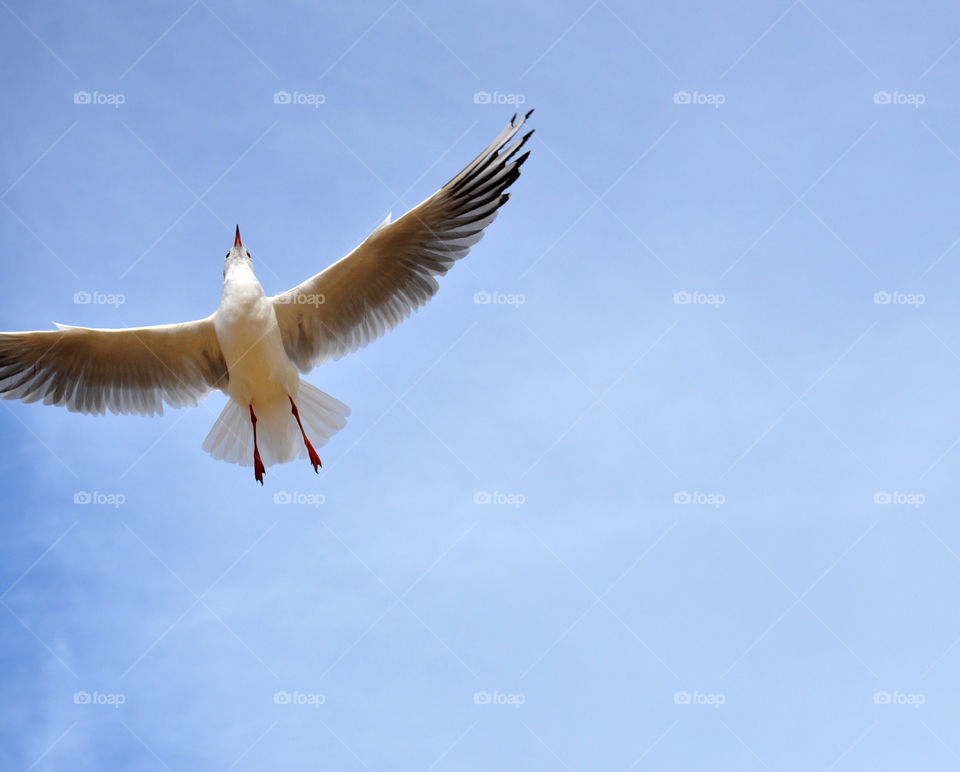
238	253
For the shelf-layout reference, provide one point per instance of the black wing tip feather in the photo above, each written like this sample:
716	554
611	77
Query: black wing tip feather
496	160
513	120
495	153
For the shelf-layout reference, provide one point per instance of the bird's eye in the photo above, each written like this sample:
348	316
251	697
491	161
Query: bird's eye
249	255
227	255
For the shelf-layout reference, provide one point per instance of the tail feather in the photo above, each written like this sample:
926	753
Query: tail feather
278	437
231	436
322	414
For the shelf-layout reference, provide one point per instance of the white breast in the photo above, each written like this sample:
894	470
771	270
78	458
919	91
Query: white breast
246	326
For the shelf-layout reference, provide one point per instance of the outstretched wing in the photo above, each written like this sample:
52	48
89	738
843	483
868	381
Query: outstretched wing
131	370
375	287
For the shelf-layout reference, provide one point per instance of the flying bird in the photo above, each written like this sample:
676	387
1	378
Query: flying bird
254	347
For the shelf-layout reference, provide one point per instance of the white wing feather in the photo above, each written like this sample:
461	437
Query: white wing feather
375	287
132	370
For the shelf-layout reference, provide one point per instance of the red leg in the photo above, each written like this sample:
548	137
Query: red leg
258	468
314	458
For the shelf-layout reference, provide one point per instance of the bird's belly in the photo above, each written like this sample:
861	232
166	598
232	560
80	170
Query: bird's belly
260	371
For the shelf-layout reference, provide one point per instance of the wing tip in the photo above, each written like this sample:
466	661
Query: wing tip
513	120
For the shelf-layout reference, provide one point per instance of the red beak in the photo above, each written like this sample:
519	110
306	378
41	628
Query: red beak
236	241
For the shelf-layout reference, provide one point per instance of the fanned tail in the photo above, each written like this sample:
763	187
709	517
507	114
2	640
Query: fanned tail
278	437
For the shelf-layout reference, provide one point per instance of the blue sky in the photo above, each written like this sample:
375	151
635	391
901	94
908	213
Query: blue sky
688	501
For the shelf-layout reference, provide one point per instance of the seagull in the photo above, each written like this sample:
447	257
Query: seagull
254	347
